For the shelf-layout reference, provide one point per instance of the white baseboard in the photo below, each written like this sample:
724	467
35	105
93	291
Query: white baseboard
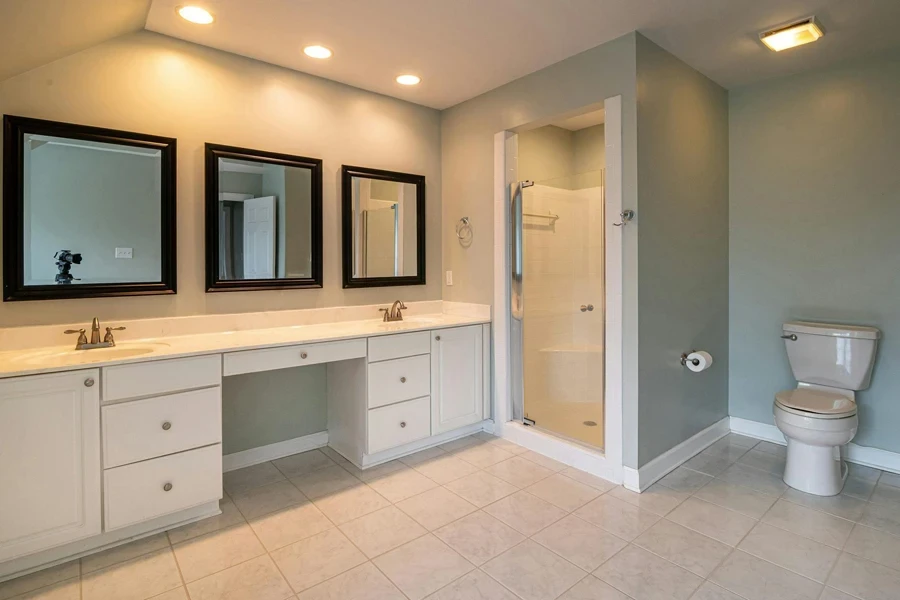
255	456
638	480
861	455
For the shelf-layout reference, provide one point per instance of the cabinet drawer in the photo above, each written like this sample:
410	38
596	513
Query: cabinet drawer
137	492
391	381
143	429
399	424
161	377
386	347
254	361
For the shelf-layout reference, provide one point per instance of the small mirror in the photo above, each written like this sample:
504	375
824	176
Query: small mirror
263	220
383	228
88	212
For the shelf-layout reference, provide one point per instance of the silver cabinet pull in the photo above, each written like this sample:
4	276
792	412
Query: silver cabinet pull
89	382
437	337
166	426
403	380
792	337
402	424
167	487
587	307
303	355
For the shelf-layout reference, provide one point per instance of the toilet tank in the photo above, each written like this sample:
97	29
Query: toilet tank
839	356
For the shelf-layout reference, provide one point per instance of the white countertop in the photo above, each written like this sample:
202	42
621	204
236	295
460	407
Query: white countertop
30	361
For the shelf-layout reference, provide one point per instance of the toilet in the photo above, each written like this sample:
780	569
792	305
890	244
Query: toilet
830	363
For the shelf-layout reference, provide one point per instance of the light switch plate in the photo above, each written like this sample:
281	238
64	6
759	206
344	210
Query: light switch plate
124	252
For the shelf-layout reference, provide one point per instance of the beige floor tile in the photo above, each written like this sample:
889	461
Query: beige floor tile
350	503
474	586
579	542
713	521
250	477
870	473
482	455
846	507
436	508
587	479
723	449
591	588
382	530
764	461
886	495
481	488
324	482
262	500
686	548
711	464
257	579
334	455
459	444
798	554
64	590
136	579
885	518
95	562
858	487
865	579
479	537
533	572
771	448
422	566
511	447
755	579
445	469
176	594
39	579
657	498
289	525
617	517
316	559
736	439
525	513
230	516
886	478
305	462
833	594
362	583
544	461
417	458
809	523
402	484
643	575
216	551
371	473
738	498
685	480
755	479
877	546
710	591
563	492
519	472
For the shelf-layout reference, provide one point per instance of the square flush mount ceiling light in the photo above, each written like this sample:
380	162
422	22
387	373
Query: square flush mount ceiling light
794	34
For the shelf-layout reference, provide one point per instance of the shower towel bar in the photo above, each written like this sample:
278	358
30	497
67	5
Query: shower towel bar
549	215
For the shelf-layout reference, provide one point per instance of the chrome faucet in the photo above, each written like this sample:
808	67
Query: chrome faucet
83	343
393	313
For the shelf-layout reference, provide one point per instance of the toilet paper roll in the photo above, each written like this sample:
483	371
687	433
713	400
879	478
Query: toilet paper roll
699	361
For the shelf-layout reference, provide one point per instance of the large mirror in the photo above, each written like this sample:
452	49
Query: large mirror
383	228
263	220
87	212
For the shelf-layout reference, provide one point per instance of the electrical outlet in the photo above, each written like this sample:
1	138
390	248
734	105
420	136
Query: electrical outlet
124	252
449	277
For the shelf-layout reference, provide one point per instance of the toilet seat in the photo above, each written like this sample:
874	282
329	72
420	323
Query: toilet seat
813	403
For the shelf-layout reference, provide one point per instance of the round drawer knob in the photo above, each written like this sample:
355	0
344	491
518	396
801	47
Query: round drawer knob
89	382
402	423
403	380
167	487
166	426
303	355
437	337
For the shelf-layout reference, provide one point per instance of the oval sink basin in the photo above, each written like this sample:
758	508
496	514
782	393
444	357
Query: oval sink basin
57	356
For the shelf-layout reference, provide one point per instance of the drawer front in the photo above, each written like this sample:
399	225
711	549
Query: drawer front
402	379
386	347
254	361
143	429
399	424
137	492
161	377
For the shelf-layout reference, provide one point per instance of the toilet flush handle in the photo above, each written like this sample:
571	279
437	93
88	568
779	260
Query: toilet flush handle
792	337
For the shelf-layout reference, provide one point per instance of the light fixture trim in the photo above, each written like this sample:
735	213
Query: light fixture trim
318	51
408	79
791	35
195	14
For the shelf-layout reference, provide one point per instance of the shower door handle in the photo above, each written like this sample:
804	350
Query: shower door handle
516	259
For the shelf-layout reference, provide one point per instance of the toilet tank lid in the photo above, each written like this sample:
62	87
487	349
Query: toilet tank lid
833	329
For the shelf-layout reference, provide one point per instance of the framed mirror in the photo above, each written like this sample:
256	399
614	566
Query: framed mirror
87	212
263	220
383	228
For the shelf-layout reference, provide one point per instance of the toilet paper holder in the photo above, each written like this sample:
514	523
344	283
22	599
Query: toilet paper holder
685	361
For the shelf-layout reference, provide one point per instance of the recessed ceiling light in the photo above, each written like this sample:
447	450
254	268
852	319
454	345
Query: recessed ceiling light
408	79
195	14
317	52
792	35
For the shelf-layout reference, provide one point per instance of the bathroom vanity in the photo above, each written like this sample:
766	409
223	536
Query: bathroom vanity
103	446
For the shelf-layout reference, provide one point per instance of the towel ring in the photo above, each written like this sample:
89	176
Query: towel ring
464	230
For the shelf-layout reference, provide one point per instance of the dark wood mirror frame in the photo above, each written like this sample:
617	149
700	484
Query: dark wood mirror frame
14	288
213	284
347	174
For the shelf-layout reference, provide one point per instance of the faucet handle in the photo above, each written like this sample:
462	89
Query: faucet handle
82	338
108	338
386	312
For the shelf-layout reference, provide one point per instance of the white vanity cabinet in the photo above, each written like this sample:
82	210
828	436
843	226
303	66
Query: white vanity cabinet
457	377
49	461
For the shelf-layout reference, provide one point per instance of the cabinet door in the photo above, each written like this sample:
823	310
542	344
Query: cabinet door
457	390
49	461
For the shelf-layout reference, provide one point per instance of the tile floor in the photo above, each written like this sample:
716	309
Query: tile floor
481	518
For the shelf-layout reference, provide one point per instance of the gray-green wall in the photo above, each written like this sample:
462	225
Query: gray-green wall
682	229
815	212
